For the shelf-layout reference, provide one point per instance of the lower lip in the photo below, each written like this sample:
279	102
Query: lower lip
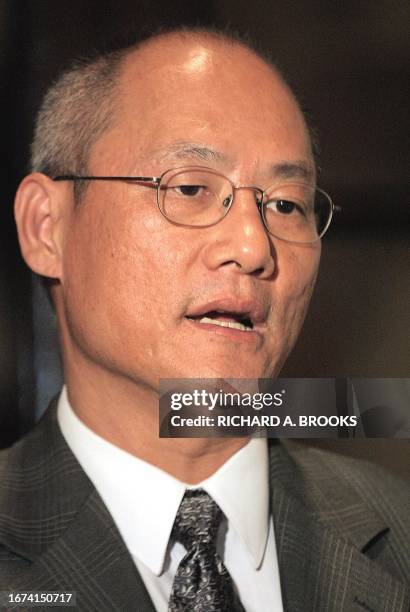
236	335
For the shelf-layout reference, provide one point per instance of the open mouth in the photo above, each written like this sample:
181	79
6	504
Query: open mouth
232	320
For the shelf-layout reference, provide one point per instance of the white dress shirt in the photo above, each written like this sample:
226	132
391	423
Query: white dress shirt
143	501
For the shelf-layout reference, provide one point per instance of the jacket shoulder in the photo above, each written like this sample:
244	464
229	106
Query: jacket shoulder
349	495
339	475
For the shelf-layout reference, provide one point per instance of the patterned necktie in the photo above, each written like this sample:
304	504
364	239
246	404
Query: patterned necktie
202	583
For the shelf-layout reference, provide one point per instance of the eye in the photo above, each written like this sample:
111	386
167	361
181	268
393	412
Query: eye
189	190
284	207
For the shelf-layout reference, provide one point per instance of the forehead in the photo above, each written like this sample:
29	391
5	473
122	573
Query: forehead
219	95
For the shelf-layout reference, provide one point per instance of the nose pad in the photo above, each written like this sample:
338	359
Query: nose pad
227	201
259	205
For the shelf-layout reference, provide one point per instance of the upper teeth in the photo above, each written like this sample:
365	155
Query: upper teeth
222	323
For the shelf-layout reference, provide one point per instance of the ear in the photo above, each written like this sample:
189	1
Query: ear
39	210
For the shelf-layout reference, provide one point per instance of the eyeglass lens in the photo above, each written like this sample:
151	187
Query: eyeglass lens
292	211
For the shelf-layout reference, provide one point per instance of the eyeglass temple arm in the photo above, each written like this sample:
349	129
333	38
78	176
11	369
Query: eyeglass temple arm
139	179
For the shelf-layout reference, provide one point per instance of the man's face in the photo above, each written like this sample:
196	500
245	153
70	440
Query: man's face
134	285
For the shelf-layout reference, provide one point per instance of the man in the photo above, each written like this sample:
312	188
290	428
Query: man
93	501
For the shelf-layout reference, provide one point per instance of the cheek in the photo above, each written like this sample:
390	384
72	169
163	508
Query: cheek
296	276
123	268
303	268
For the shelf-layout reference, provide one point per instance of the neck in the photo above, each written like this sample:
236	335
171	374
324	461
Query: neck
126	415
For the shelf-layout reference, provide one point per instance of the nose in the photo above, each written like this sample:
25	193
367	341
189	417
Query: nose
240	240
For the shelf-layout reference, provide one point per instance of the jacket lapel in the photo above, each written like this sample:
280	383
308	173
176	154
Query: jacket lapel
64	530
91	559
319	547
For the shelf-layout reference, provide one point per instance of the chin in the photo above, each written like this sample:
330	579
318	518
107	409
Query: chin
227	370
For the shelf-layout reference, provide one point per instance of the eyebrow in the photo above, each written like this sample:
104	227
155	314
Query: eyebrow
289	170
183	150
189	150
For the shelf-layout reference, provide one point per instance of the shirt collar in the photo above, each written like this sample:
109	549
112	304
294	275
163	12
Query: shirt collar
241	489
143	499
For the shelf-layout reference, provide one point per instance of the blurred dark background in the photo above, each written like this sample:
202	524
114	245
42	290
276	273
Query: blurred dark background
349	64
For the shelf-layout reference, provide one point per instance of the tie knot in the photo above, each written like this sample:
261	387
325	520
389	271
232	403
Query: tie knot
197	521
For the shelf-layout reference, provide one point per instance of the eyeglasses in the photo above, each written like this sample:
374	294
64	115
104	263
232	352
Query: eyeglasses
201	197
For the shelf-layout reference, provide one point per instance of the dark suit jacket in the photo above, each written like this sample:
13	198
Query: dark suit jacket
342	530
